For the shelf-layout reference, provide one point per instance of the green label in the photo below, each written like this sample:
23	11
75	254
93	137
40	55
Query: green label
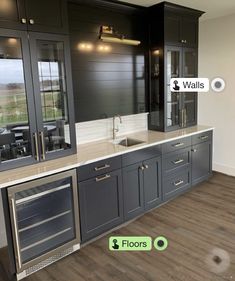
130	243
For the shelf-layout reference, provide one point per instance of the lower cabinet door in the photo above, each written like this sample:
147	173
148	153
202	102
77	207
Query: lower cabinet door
133	190
101	204
201	162
152	183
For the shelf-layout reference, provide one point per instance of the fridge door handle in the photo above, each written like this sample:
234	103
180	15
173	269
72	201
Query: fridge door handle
16	236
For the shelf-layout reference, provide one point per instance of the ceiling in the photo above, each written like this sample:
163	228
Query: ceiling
213	8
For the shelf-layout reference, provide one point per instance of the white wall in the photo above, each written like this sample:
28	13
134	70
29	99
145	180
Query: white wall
217	59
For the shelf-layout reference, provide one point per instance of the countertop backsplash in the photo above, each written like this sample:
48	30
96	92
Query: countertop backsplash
103	129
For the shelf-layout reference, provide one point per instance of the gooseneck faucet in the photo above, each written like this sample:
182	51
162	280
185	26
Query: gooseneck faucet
116	129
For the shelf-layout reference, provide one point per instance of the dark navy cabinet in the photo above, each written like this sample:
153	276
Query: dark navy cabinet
100	199
141	180
133	189
173	54
152	183
34	15
201	157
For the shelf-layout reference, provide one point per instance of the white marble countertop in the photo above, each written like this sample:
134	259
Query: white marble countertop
91	152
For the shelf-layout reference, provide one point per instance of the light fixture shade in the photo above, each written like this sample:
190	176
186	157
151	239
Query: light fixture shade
109	39
107	34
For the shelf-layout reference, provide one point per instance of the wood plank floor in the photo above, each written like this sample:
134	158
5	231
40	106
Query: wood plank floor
199	225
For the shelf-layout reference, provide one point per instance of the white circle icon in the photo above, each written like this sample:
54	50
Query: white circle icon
218	84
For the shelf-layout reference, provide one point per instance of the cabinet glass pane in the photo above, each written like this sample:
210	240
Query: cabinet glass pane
173	99
172	114
190	64
173	65
14	121
51	67
155	90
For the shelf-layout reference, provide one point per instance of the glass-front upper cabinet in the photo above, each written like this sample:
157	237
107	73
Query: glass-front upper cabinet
36	109
17	117
53	94
173	70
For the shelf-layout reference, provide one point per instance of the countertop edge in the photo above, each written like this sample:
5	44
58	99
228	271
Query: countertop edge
78	164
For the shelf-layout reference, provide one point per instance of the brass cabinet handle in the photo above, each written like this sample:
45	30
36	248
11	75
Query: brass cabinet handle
41	134
178	144
23	20
178	161
35	137
16	236
203	137
179	182
106	166
31	21
103	178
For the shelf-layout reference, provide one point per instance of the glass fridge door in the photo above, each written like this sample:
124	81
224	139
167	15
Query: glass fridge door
44	217
53	94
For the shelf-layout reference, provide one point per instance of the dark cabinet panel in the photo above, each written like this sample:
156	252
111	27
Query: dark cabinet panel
133	190
12	14
152	183
201	162
172	29
47	16
34	15
189	31
101	204
181	30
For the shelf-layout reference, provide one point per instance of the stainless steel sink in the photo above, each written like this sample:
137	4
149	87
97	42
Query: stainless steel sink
129	142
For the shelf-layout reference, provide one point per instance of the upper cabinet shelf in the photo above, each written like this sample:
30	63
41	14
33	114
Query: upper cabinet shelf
33	15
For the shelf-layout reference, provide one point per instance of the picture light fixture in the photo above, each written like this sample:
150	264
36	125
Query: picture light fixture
109	35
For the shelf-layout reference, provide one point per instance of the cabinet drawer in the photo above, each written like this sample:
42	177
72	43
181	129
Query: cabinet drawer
141	155
176	160
176	183
176	144
202	137
98	168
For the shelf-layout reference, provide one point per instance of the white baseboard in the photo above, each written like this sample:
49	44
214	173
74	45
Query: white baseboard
224	169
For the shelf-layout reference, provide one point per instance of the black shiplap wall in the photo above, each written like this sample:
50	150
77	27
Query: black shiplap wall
110	83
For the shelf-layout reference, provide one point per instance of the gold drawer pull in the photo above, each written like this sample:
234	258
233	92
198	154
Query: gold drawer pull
204	137
178	144
178	161
103	178
106	166
177	183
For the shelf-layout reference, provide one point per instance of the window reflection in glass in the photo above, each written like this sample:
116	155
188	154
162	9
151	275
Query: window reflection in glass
14	124
51	68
